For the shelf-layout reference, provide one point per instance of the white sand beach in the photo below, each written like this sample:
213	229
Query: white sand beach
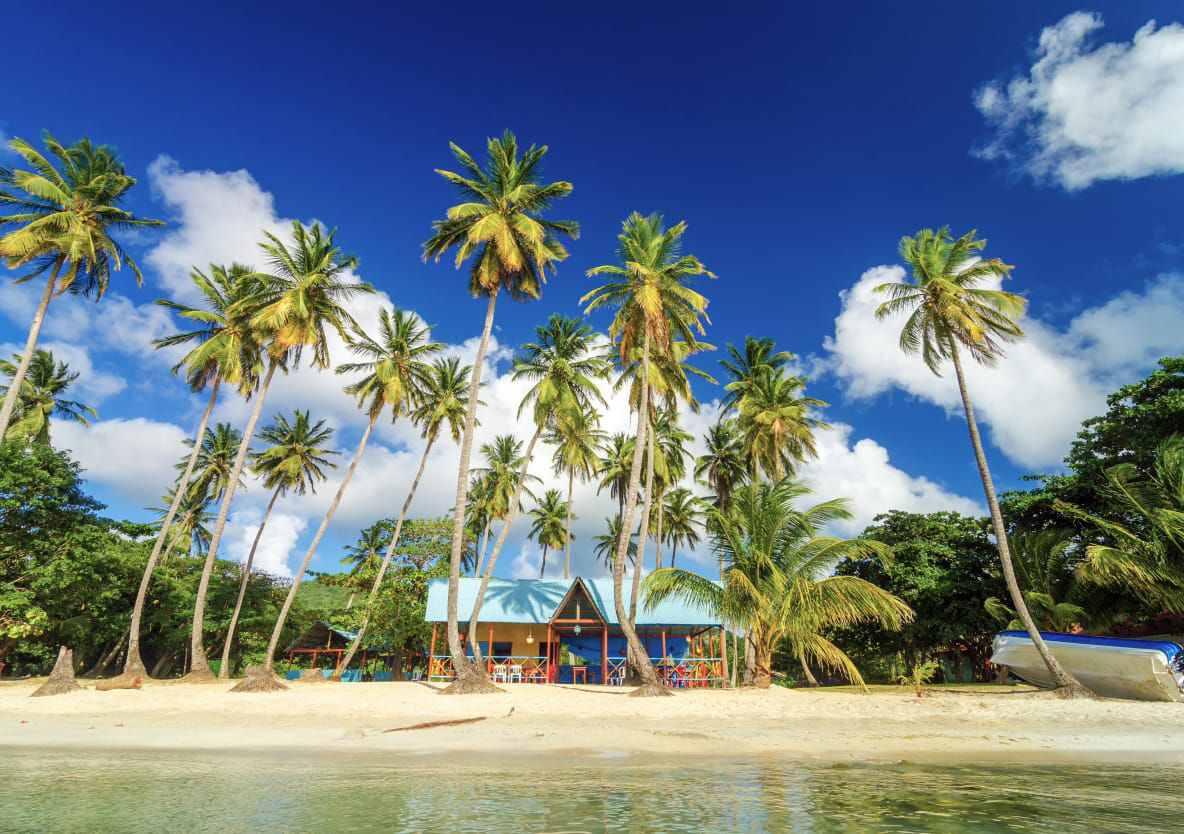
350	718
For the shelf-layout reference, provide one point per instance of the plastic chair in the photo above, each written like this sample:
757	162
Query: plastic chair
515	671
499	673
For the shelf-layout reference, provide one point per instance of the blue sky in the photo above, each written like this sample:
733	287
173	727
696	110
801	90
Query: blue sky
799	144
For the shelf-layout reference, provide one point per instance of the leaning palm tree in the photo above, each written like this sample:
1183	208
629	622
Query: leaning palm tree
548	526
654	308
565	366
294	460
42	397
62	221
1045	562
775	581
684	516
576	455
394	368
300	299
440	400
723	467
949	312
776	426
500	226
225	349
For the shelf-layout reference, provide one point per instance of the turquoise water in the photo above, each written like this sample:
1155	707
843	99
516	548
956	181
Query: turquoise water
175	792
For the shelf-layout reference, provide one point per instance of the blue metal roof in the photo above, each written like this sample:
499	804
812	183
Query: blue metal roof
535	601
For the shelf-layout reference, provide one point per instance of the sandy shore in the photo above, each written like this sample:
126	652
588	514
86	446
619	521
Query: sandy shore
349	718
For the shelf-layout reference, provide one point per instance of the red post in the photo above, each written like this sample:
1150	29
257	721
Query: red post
663	647
548	653
489	654
432	651
604	656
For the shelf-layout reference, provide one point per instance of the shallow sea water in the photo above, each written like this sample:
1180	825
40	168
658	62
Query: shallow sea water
64	791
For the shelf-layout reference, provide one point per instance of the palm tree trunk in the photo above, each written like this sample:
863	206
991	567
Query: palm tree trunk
14	388
497	546
168	551
199	667
673	551
643	529
349	603
658	537
571	475
224	666
133	664
469	678
762	664
273	643
650	683
386	561
810	679
479	562
723	655
1066	685
735	659
543	567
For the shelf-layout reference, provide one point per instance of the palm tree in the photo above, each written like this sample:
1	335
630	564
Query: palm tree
745	368
947	311
500	226
41	397
301	297
440	400
226	349
723	468
654	307
776	428
191	525
494	484
1146	560
775	583
1045	561
575	455
605	548
564	365
62	223
683	518
294	460
670	465
364	555
394	368
616	463
548	527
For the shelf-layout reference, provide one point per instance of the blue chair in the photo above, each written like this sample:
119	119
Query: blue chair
293	675
351	676
383	676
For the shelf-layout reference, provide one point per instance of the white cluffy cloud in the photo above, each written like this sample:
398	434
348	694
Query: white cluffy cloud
1088	112
1035	398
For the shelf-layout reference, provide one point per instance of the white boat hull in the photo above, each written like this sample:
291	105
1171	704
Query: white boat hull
1110	667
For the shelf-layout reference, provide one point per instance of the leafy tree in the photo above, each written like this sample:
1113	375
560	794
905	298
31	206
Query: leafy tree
1045	564
42	397
723	466
616	462
947	313
548	526
576	449
684	516
776	429
500	226
62	223
943	566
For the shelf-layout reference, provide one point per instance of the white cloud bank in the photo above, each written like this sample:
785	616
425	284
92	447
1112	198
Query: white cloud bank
1088	112
1034	399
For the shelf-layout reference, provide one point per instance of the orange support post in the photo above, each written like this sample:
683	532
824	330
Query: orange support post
489	654
663	647
604	656
548	653
432	651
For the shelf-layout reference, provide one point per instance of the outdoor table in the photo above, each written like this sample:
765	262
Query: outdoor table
580	672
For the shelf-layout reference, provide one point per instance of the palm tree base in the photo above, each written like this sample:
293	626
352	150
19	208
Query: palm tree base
651	690
475	682
1074	690
259	679
200	676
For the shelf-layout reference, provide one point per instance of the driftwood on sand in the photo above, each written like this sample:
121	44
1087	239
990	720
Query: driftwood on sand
61	679
121	682
429	724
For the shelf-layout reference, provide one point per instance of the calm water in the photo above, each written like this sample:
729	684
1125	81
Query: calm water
173	792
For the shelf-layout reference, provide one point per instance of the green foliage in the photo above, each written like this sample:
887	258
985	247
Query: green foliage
944	566
41	397
922	673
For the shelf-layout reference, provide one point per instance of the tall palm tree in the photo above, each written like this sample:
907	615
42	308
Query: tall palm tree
479	515
565	366
191	525
744	368
365	555
42	397
495	484
775	578
654	307
62	223
500	226
440	400
684	516
670	465
394	367
605	547
548	526
948	312
614	467
294	460
225	349
576	455
300	299
723	467
775	425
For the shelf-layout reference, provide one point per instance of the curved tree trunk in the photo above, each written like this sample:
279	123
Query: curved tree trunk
1067	685
658	537
273	643
543	567
14	387
723	655
649	677
200	668
479	562
643	530
571	474
735	659
469	678
511	512
224	666
386	561
810	679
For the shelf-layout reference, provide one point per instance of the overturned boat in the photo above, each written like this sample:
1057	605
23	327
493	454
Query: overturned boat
1113	667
